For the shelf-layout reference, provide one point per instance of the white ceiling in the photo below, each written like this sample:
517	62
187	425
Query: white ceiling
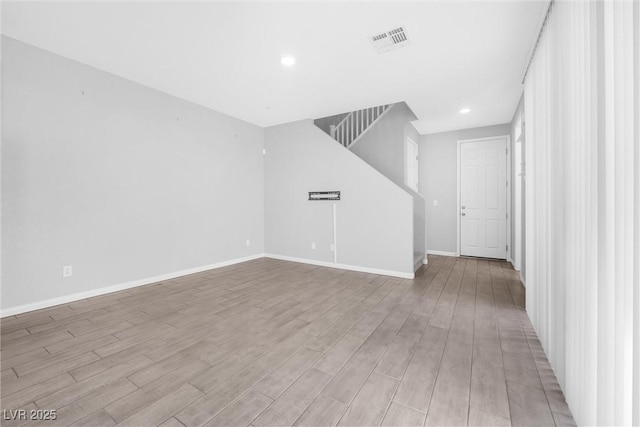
226	56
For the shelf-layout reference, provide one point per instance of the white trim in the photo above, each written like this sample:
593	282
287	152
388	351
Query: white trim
343	266
509	219
458	209
442	253
517	163
335	233
508	188
522	279
11	311
487	138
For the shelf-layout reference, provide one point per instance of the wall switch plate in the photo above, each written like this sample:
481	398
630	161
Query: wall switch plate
248	242
67	271
313	245
332	247
435	203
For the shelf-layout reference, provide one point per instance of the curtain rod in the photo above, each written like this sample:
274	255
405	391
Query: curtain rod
541	26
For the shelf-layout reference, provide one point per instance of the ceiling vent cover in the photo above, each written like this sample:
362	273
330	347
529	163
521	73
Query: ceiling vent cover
390	40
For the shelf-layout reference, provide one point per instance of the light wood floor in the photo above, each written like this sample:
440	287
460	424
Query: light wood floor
269	342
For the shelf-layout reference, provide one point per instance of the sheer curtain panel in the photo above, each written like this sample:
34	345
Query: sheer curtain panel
582	113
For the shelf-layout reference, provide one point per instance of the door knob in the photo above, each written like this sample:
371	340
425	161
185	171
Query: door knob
463	207
463	214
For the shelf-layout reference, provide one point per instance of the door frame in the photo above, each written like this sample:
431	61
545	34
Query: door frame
508	221
518	211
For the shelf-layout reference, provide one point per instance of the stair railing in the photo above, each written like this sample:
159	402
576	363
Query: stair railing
356	123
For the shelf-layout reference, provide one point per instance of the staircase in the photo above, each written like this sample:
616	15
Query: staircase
356	124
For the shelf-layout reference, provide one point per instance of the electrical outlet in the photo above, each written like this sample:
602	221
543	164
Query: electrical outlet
67	271
313	245
248	242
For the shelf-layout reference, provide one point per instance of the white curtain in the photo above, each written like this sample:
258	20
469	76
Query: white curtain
582	114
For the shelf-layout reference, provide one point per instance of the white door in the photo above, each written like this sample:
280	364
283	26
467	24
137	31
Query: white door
412	164
483	198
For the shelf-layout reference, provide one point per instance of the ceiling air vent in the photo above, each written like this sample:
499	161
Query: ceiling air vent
390	40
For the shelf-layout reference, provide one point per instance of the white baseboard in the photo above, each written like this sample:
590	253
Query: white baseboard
442	253
11	311
343	266
522	279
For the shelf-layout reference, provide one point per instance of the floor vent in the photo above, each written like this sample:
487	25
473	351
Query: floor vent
390	40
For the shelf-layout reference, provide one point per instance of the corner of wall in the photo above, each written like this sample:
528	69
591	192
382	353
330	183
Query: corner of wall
373	222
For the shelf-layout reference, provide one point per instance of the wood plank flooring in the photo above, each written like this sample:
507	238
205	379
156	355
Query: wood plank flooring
276	343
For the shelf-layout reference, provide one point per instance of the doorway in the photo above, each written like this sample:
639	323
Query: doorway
483	186
518	190
411	167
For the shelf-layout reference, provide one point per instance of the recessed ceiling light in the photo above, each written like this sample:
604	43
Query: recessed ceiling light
465	110
288	60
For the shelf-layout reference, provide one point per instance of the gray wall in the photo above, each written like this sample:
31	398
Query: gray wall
374	226
419	227
439	181
121	181
383	147
325	122
419	201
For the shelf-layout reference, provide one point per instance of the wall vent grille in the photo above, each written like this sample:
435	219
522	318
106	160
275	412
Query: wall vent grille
390	40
